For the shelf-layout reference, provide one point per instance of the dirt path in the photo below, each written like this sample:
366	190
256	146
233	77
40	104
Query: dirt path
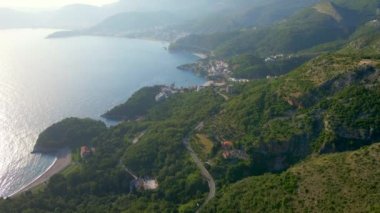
128	170
137	139
204	172
226	98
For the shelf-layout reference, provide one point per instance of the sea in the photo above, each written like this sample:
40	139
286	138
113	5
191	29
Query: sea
43	81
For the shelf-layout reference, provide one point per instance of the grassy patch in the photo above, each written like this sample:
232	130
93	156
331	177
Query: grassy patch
202	145
73	168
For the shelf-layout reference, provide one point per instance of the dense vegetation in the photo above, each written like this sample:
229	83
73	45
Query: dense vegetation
346	182
137	106
279	48
329	104
100	184
326	22
249	66
71	132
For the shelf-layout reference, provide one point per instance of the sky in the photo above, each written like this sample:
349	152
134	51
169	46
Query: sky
45	4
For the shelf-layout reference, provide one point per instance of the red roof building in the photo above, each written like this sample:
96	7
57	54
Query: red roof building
227	145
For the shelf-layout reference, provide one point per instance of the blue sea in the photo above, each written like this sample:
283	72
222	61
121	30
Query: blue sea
43	81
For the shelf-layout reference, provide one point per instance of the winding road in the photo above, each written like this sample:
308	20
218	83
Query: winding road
204	172
226	98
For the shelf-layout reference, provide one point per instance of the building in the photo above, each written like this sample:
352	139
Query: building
226	154
142	184
165	93
227	145
85	152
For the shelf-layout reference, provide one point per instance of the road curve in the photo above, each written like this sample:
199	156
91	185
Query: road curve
204	172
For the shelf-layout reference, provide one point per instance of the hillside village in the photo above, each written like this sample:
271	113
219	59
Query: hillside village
218	73
209	68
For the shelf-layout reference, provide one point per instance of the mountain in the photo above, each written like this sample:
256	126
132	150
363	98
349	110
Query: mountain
310	127
313	109
135	21
154	25
303	139
75	16
321	23
246	14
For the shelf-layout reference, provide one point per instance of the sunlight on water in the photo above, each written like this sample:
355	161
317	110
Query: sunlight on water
43	81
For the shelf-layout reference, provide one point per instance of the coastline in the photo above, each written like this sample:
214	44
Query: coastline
63	159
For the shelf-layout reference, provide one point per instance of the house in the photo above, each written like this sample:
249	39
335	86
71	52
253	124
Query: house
85	152
165	93
161	96
226	154
142	184
227	145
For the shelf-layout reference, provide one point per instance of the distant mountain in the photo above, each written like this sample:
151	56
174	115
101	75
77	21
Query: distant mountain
74	16
135	21
129	24
247	14
193	17
321	23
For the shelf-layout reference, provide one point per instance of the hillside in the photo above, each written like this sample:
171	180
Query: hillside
323	106
134	21
322	23
330	104
303	139
328	8
136	106
346	182
69	133
245	14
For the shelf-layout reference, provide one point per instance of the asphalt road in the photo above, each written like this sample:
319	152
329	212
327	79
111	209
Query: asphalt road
204	172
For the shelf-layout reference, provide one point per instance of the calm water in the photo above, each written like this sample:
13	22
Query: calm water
43	81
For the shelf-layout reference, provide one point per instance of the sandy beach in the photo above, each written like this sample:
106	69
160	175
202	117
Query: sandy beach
63	160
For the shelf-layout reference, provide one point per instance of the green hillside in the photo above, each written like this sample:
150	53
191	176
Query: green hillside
329	9
136	106
69	133
329	104
304	139
346	182
245	15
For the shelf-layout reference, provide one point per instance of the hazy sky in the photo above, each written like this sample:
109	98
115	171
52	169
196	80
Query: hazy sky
43	4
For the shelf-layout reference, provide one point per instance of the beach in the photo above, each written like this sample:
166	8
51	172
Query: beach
63	159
